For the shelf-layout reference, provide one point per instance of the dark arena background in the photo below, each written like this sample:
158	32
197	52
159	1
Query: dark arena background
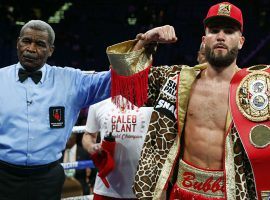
84	28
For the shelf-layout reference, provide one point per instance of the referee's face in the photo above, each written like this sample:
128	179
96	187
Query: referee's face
33	49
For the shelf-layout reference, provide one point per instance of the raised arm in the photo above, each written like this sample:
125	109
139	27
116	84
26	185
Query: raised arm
162	34
131	62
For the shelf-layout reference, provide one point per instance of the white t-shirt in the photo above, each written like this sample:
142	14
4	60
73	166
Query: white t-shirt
129	128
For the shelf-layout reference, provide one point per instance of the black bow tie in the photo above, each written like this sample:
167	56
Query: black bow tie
35	76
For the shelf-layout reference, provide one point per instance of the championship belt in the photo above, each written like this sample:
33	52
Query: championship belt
250	107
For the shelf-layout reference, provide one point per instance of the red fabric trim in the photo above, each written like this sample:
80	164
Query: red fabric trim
134	88
104	161
180	194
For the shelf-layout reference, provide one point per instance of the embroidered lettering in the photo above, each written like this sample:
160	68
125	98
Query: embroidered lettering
190	181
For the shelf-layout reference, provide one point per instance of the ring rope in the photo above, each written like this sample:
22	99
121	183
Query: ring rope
78	129
82	164
86	197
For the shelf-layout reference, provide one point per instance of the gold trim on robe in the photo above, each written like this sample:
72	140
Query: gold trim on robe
127	62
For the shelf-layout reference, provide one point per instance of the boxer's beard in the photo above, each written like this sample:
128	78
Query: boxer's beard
220	61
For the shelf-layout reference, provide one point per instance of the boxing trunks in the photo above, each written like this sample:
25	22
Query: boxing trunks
198	184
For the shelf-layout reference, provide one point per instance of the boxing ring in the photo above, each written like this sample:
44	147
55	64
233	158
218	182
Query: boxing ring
78	165
86	197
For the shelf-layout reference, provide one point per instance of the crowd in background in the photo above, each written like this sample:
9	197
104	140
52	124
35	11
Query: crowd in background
88	27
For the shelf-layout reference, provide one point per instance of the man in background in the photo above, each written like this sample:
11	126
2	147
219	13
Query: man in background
201	54
128	127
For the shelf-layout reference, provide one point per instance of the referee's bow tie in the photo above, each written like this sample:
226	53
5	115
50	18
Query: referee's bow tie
35	76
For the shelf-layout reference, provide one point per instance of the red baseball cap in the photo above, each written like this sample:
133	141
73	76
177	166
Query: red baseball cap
224	10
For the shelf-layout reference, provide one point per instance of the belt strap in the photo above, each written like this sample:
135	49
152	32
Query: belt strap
247	101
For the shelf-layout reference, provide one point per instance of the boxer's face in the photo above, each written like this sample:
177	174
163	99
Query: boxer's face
222	43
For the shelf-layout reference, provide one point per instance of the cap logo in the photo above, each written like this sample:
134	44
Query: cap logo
224	9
